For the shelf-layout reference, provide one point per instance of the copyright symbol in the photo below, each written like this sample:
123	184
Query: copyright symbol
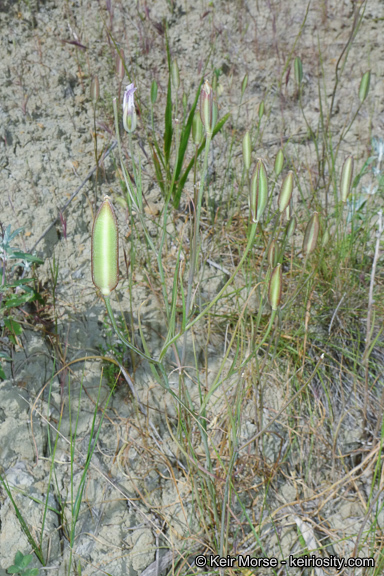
200	561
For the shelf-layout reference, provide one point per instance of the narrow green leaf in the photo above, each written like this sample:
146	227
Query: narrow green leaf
27	257
159	174
185	137
16	283
184	177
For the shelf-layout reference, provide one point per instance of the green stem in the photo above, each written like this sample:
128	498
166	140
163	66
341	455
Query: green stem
196	238
213	302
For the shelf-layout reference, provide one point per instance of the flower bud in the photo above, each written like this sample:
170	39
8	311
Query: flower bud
298	70
206	106
258	192
95	89
197	129
364	86
175	75
153	92
105	249
247	150
279	162
120	71
311	234
286	192
275	287
346	178
184	101
129	111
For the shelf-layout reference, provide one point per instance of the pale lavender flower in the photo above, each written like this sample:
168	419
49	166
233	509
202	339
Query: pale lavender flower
129	111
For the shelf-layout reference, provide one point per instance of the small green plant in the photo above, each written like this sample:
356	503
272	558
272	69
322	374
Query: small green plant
20	565
13	293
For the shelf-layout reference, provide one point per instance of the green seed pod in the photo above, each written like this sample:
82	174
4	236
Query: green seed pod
286	192
258	192
244	84
247	150
279	162
153	92
298	68
273	253
95	89
346	178
291	227
275	287
364	86
175	76
197	129
311	234
206	106
105	249
325	239
261	109
120	71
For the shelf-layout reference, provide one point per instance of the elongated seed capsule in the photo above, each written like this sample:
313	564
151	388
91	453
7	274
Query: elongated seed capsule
273	253
105	249
259	191
286	192
364	86
291	227
95	89
197	129
311	234
153	91
120	70
275	287
279	162
206	106
247	150
298	69
346	178
325	239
